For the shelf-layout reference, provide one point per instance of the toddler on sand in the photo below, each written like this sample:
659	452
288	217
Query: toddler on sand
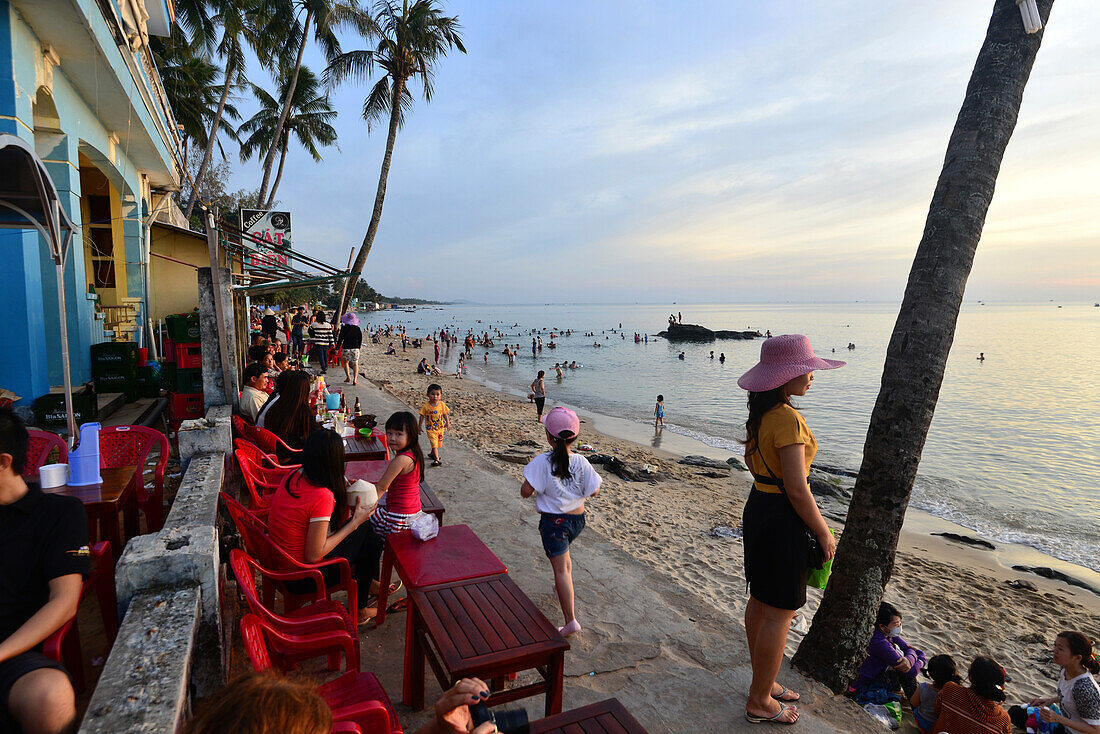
659	411
561	481
435	419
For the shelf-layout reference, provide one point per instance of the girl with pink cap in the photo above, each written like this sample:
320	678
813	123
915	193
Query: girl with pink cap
779	448
561	481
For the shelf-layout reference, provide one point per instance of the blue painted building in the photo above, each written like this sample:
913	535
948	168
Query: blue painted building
78	81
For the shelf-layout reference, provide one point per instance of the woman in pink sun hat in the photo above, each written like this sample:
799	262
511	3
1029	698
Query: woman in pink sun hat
779	448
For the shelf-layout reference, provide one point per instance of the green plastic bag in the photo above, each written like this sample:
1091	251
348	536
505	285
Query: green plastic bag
819	577
894	707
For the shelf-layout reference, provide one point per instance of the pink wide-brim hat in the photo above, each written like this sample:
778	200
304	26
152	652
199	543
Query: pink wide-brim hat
350	319
783	358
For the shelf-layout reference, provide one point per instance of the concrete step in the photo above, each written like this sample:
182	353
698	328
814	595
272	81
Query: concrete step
107	403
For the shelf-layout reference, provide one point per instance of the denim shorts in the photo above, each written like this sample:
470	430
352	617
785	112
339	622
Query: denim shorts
558	531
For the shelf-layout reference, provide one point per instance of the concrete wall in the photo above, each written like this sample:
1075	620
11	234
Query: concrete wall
170	647
173	287
211	321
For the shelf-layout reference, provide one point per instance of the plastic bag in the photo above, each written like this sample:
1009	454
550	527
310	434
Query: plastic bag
424	526
819	577
882	715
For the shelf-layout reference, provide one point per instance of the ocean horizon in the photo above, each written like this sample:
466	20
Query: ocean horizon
1012	453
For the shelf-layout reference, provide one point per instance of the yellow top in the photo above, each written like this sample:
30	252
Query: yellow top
781	426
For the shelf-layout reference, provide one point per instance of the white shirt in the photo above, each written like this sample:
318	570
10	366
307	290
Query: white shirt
1079	698
557	496
251	402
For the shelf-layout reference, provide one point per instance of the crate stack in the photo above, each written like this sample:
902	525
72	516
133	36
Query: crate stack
182	371
115	368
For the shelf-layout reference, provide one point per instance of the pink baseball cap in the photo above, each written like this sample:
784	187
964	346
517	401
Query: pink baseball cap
562	423
783	358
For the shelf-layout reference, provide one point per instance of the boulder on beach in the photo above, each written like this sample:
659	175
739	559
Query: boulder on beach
704	461
696	333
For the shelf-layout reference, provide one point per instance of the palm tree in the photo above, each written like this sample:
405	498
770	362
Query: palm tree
191	84
241	23
918	349
309	120
411	40
323	18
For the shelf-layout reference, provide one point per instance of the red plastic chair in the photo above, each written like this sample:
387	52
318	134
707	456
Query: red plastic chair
259	457
322	616
261	483
64	644
130	446
41	444
345	727
241	428
262	547
335	358
271	444
354	696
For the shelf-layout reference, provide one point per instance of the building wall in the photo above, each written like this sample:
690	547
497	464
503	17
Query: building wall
32	364
174	288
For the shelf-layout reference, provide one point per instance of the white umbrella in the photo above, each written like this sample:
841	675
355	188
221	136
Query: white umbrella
28	198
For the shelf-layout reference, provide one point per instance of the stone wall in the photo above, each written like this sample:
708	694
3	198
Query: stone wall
170	646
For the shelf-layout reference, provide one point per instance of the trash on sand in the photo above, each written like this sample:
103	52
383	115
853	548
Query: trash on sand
725	531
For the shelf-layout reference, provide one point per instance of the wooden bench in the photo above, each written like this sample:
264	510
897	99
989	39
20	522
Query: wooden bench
605	717
485	628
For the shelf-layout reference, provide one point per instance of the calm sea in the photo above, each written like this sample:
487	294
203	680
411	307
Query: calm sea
1013	452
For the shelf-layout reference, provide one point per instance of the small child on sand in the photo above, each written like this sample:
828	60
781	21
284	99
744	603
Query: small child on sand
561	481
659	411
941	669
435	419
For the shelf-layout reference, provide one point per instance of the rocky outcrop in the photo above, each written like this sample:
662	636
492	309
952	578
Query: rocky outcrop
696	333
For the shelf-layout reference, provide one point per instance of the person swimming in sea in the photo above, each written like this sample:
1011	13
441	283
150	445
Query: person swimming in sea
680	356
722	357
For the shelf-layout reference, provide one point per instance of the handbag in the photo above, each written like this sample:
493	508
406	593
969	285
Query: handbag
815	556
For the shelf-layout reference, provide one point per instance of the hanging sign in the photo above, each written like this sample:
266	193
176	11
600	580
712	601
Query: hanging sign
262	228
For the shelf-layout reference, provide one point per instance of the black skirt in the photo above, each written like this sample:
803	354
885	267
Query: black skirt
775	551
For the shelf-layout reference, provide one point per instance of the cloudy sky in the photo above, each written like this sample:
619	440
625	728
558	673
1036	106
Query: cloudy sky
707	151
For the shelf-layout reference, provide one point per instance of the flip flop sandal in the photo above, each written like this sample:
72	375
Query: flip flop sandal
786	691
754	719
398	606
367	621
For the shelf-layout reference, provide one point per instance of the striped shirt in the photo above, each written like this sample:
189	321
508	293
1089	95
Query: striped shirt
962	711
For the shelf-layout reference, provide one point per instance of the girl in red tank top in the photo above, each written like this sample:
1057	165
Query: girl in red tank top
399	487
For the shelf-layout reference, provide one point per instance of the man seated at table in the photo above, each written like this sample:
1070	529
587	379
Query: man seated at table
255	391
44	544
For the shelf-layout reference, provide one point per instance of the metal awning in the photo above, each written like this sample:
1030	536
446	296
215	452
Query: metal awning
29	200
273	276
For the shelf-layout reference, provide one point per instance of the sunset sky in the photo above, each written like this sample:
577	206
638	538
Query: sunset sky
707	151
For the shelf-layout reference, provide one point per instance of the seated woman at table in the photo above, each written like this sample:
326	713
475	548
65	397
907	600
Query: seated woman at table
307	519
400	485
291	418
280	386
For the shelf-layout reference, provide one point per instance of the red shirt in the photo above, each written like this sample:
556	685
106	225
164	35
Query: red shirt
403	495
289	518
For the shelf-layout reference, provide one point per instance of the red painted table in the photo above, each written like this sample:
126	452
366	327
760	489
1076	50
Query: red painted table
605	717
117	491
456	554
372	471
485	628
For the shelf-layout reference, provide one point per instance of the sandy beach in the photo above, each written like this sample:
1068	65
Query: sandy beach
955	599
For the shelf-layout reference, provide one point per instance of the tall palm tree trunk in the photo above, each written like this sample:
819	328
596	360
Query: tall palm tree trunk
918	349
270	158
279	175
380	194
211	141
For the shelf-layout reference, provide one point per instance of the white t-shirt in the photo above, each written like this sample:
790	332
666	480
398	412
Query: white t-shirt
1079	698
557	496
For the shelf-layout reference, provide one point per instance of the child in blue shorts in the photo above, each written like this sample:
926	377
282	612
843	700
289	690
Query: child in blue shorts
561	481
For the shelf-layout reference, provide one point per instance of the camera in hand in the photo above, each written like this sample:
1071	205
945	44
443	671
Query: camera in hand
507	722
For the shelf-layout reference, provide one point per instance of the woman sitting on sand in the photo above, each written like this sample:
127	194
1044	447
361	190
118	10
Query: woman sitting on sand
778	450
892	664
962	710
1078	694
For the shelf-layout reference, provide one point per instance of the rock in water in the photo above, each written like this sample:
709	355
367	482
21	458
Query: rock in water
977	542
1050	573
704	461
696	333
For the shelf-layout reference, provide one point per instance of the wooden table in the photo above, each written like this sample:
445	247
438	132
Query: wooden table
361	448
485	628
372	471
456	554
605	717
103	501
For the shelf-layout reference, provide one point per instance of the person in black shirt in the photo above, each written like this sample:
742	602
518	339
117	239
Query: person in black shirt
269	325
351	341
44	541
